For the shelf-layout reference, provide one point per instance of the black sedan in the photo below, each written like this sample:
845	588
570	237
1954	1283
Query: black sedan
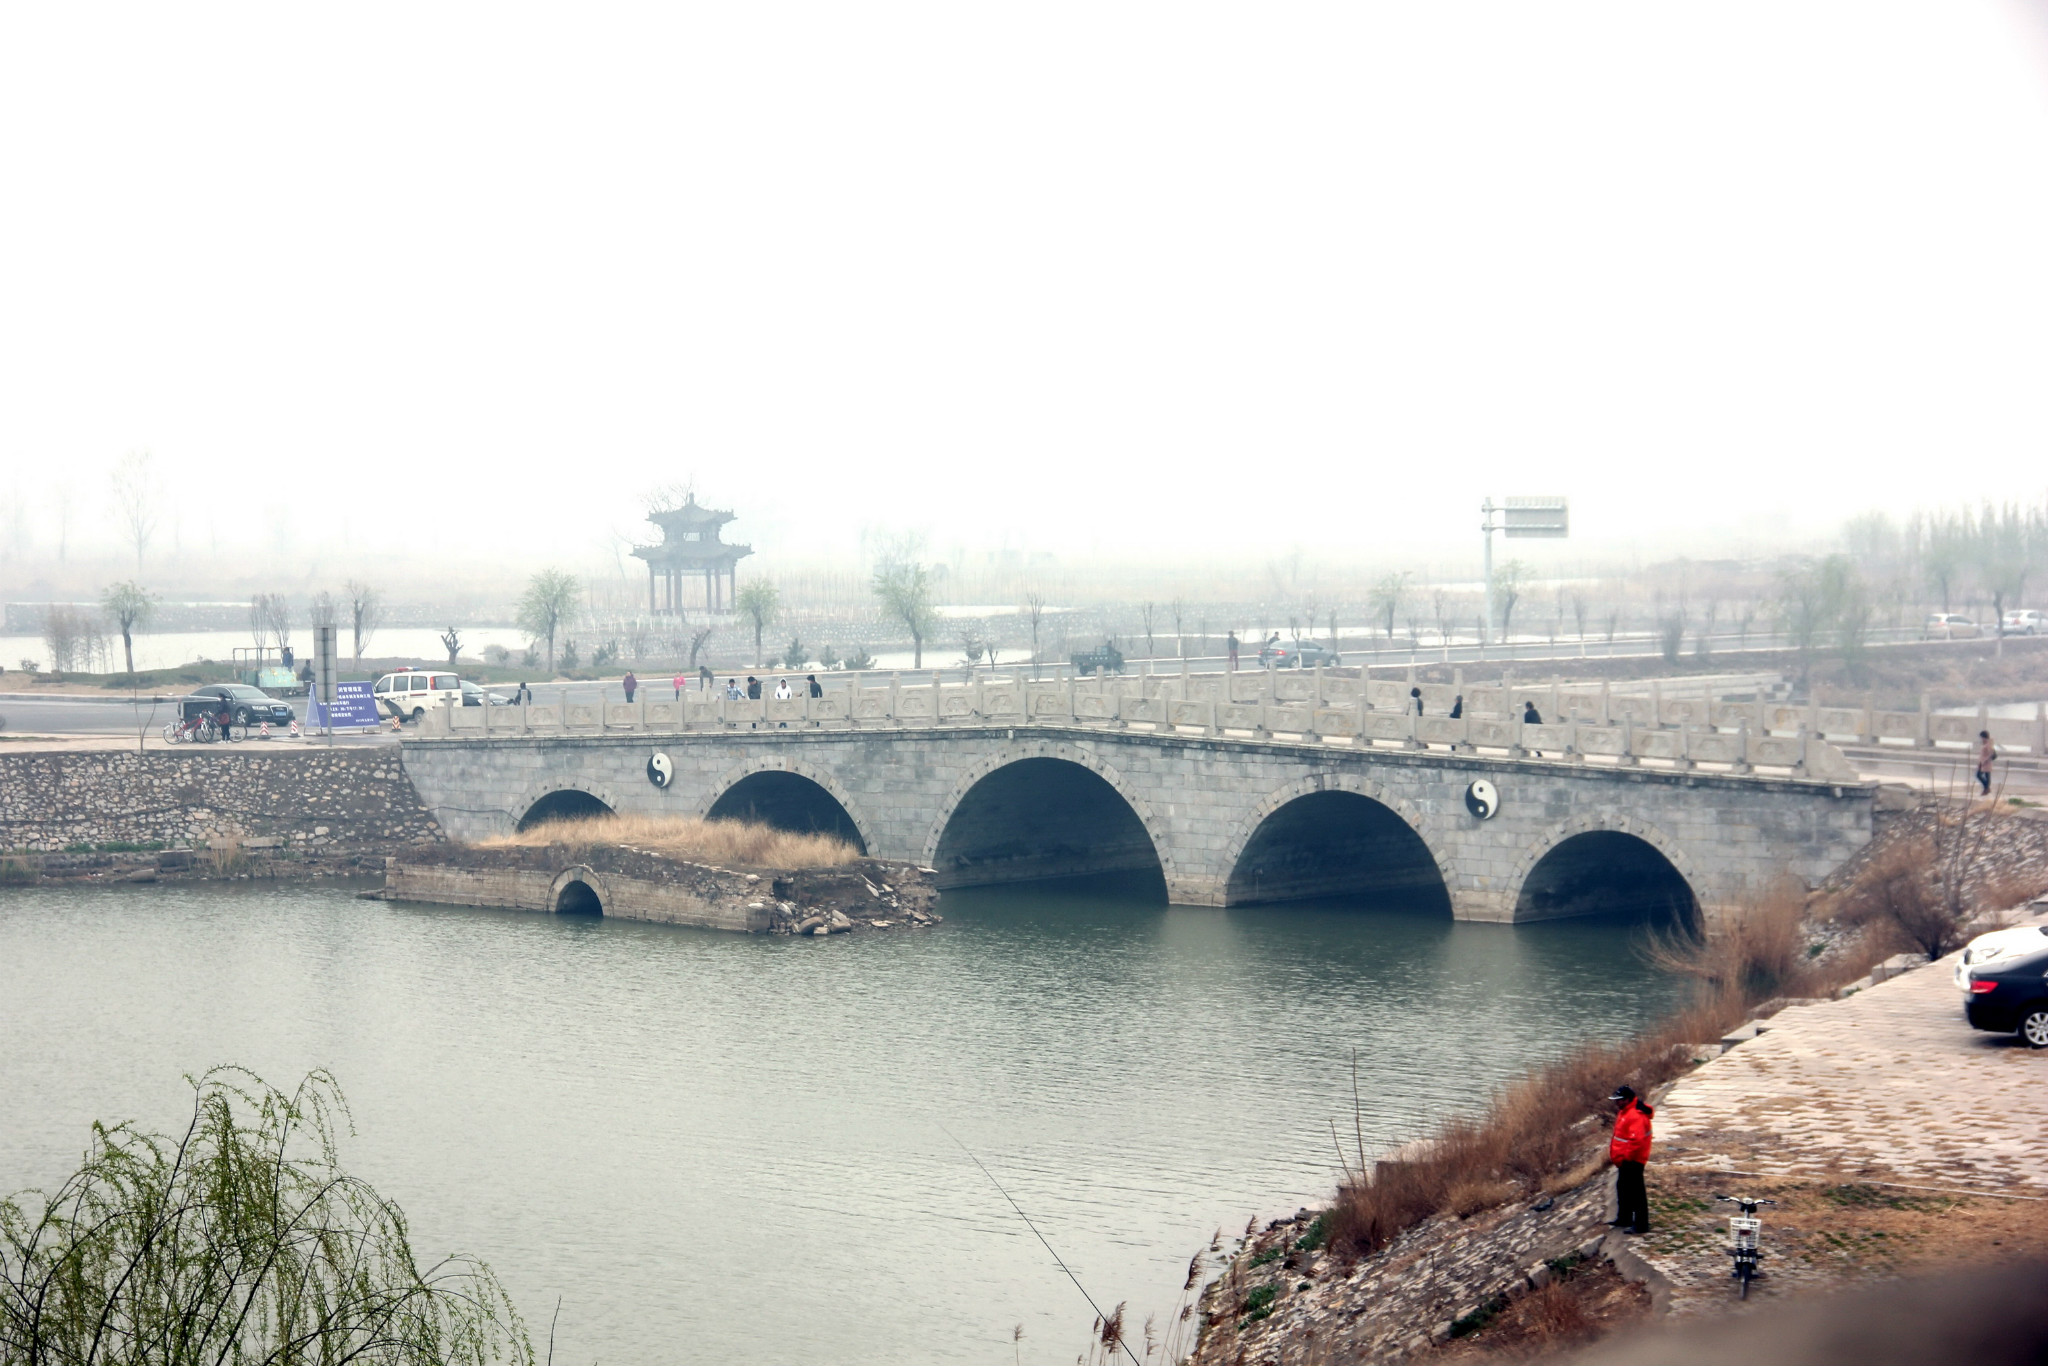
2010	996
247	706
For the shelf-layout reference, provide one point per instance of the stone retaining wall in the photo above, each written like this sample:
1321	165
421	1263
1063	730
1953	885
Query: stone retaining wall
311	799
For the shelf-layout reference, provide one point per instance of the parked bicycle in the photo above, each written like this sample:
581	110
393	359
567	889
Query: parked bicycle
201	722
1745	1229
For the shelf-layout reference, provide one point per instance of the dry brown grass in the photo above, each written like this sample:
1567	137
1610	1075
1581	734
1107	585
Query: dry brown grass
685	837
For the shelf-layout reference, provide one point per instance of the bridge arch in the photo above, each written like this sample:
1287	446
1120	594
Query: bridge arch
1040	810
562	801
1600	865
578	891
1335	834
789	795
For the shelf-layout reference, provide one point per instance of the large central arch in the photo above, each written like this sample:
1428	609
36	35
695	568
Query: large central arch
1041	817
1335	841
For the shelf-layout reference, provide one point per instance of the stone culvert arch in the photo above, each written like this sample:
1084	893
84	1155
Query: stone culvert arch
716	791
1018	751
1248	829
578	890
1672	852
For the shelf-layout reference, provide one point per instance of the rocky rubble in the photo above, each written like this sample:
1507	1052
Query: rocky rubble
1287	1299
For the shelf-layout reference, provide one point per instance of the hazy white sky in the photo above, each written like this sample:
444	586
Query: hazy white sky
1072	275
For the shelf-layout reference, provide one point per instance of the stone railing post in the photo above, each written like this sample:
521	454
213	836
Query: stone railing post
895	692
1364	709
1741	764
2040	728
1684	759
1628	743
1605	701
1923	736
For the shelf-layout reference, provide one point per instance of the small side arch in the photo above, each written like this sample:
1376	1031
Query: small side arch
1060	785
789	795
562	801
1335	834
1605	865
578	890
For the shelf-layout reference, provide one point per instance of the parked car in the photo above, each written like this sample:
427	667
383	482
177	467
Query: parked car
247	706
2005	986
1949	626
1302	654
410	693
475	696
2025	622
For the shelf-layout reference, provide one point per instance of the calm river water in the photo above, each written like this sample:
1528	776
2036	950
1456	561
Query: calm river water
726	1149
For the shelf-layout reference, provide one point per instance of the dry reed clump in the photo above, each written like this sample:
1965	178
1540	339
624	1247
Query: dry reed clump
1923	891
685	837
225	857
1759	953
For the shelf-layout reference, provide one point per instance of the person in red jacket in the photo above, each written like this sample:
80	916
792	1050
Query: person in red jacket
1629	1150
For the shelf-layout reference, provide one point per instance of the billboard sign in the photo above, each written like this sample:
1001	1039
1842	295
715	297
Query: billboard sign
353	708
1536	517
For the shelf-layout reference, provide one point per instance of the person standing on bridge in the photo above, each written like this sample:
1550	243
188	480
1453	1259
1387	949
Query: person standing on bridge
1231	641
1415	700
1458	707
679	687
1629	1151
629	683
1986	756
817	690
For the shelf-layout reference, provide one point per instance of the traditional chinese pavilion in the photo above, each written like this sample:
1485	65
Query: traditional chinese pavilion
690	549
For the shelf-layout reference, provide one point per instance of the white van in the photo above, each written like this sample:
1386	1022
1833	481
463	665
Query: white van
411	693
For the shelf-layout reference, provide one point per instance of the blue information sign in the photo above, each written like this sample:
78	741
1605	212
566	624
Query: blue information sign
354	708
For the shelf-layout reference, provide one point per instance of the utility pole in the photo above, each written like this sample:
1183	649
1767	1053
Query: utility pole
1486	530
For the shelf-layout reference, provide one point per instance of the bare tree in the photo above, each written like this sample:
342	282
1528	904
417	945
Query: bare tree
1034	610
62	508
1508	582
451	641
1579	613
1387	598
322	611
549	598
906	595
2007	542
277	615
128	607
135	500
697	639
758	602
365	614
1146	612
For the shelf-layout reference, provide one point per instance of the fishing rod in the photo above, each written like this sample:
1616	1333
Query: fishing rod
1057	1259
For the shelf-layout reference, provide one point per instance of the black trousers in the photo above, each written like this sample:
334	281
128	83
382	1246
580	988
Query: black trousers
1632	1201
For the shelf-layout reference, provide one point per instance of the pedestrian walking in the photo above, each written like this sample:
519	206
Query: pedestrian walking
704	677
817	690
629	683
1415	700
1986	756
679	687
1629	1151
1232	643
1532	717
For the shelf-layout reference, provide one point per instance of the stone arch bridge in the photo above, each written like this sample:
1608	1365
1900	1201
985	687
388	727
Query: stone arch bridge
1224	820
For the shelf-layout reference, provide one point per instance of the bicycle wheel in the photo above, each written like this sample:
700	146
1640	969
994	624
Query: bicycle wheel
208	732
173	732
228	734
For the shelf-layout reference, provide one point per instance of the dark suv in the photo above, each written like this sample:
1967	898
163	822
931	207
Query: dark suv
2009	994
247	706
